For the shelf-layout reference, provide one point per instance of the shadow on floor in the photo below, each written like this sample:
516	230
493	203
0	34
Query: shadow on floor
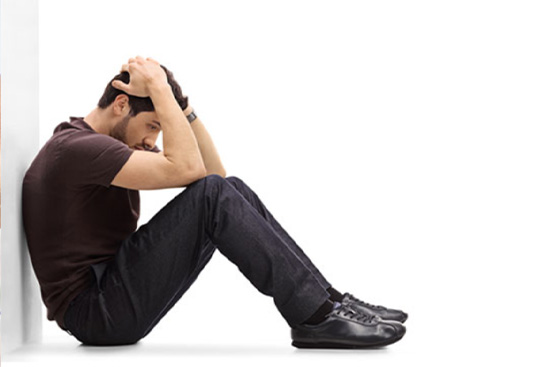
182	350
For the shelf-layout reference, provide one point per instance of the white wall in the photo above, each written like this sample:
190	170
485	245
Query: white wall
21	317
404	145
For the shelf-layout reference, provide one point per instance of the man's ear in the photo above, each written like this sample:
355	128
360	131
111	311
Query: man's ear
121	107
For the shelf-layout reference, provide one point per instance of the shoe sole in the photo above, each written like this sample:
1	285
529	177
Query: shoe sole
323	345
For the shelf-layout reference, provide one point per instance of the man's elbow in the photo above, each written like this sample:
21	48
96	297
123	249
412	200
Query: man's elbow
187	175
200	172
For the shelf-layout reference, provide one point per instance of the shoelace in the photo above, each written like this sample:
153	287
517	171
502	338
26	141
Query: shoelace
347	311
352	298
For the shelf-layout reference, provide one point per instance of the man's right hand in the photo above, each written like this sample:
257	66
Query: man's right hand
145	75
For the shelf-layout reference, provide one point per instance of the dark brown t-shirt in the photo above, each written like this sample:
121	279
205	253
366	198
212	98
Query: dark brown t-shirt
72	216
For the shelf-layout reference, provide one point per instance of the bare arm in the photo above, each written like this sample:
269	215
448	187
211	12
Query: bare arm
181	162
207	148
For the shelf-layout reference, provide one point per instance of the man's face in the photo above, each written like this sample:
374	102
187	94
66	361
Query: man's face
139	132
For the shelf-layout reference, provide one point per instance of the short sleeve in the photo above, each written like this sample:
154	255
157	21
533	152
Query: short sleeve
92	158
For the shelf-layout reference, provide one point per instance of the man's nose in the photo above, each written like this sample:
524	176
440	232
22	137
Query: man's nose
148	143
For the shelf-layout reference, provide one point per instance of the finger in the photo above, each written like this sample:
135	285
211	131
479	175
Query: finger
125	67
153	60
139	58
120	85
131	59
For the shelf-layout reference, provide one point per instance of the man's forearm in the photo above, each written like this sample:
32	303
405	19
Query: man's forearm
176	133
210	155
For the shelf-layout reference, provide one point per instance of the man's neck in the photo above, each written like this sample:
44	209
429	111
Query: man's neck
99	120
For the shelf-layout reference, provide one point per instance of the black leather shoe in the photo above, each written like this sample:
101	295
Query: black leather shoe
345	327
368	309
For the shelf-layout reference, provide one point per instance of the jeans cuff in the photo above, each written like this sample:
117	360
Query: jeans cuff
304	303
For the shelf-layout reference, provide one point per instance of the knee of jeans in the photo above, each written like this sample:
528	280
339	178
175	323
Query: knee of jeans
214	177
234	180
201	183
214	184
214	180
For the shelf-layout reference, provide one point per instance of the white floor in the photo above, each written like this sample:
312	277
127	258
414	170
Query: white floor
267	348
270	349
189	353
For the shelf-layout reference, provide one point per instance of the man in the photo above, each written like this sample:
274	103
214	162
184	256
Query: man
108	284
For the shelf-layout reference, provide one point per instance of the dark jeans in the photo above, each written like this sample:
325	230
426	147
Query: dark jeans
156	265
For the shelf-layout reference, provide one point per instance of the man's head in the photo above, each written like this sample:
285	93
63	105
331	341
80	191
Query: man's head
138	126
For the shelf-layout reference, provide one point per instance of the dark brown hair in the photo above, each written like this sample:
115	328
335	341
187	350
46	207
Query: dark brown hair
140	104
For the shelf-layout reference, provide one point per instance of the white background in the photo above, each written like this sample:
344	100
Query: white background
403	145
